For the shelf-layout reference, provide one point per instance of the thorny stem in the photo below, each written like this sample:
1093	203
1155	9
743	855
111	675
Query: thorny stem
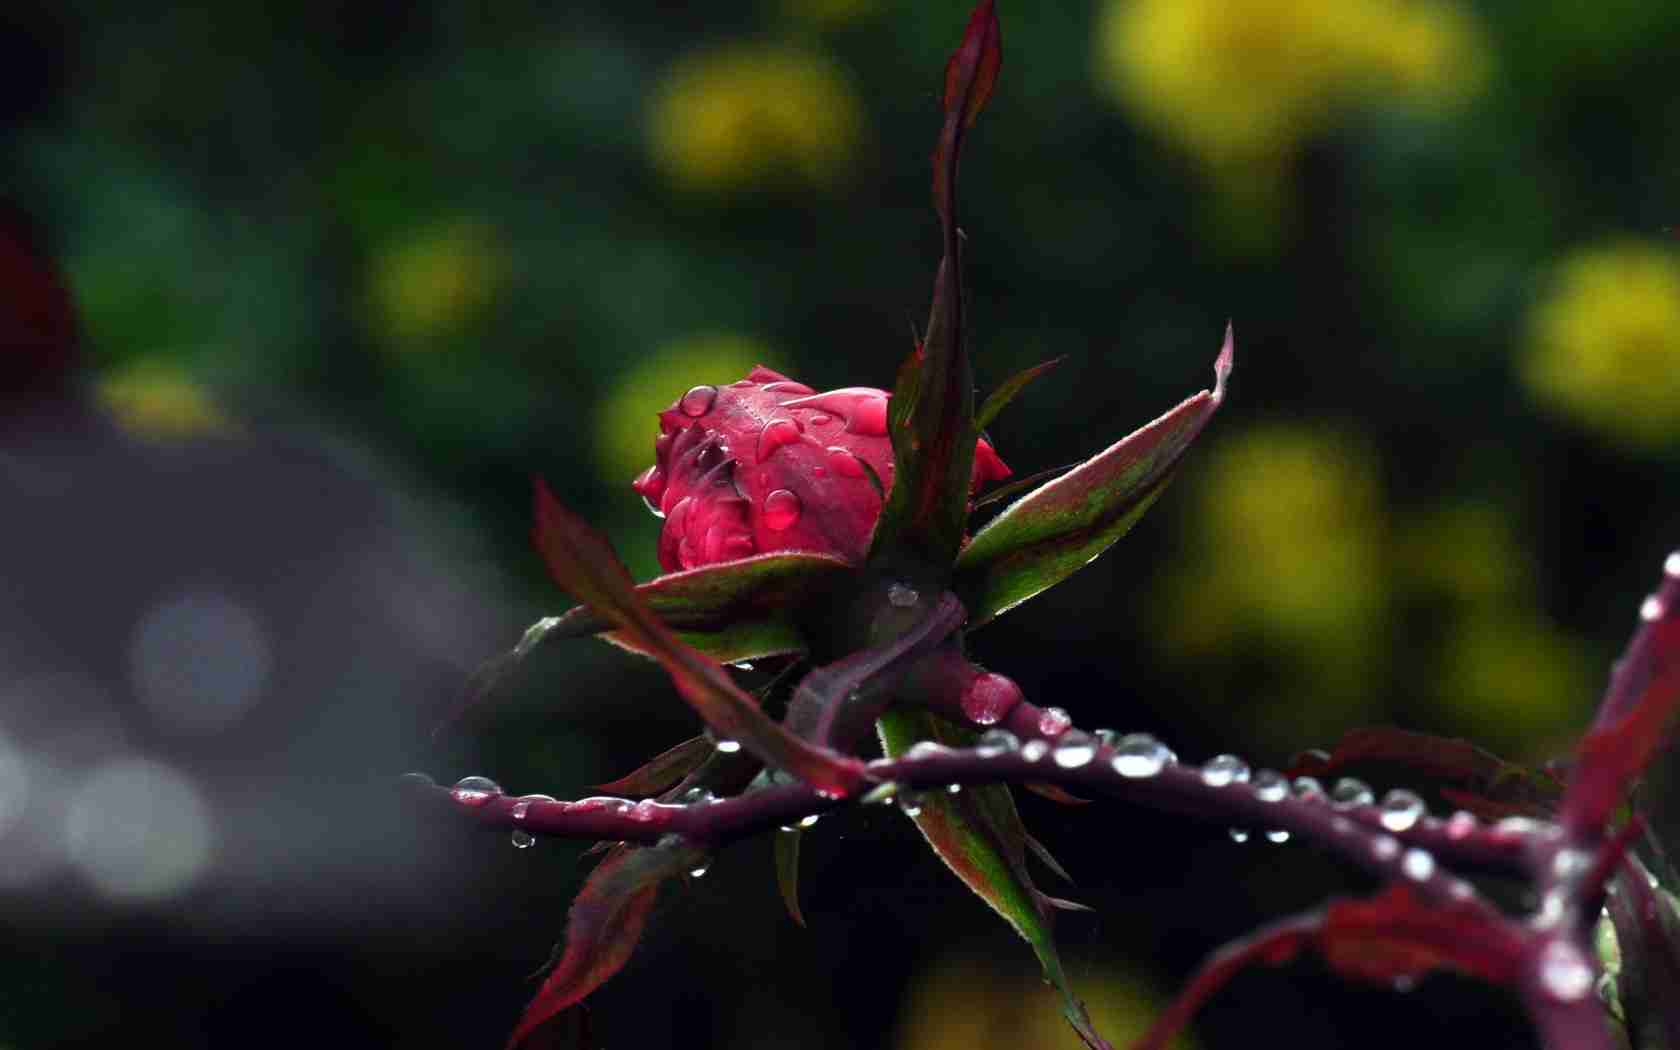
1354	832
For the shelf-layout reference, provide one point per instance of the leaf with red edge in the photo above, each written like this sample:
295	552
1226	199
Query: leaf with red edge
39	330
731	611
931	417
585	564
1468	776
1635	718
1392	935
603	927
662	770
1053	532
787	871
979	836
1648	938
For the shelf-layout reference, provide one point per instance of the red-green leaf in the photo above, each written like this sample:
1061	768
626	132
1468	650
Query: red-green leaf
1048	535
787	871
1395	934
1630	727
931	418
663	770
39	330
584	564
978	834
731	611
1467	775
603	927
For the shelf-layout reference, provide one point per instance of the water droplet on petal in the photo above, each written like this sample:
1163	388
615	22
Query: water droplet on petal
1418	864
1671	565
521	838
1350	792
699	872
1401	810
1651	609
698	401
868	417
953	789
1139	755
843	463
995	742
520	809
1564	972
1074	750
1277	835
809	820
697	796
1569	863
728	747
1053	721
1238	835
1033	750
819	419
1385	848
777	433
1224	770
781	510
1270	786
475	791
902	597
910	803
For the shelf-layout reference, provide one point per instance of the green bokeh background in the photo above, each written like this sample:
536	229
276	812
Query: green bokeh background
477	243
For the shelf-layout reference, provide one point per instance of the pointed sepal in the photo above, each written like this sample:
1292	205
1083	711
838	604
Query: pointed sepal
1051	533
978	834
786	849
585	565
1000	398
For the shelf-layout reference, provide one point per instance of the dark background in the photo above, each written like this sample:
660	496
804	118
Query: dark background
351	274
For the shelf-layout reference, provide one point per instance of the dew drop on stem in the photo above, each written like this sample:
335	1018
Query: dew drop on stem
1224	770
1401	810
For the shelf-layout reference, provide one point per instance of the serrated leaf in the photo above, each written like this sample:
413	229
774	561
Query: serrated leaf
585	564
979	836
1048	535
605	922
787	871
1000	398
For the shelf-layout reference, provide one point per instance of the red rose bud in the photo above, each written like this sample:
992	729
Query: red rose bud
767	464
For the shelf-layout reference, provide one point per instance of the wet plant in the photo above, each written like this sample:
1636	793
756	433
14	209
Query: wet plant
828	532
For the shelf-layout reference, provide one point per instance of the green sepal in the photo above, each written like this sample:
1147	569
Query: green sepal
787	870
1000	398
1054	531
978	834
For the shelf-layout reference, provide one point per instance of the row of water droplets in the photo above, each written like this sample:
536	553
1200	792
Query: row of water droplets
475	791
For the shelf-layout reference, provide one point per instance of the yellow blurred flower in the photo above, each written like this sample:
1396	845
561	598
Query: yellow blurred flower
160	402
1464	553
1513	682
1238	80
626	423
1605	343
435	281
965	1003
1290	529
748	114
1286	569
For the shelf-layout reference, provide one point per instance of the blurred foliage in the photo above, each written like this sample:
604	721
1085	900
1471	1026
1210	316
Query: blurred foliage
481	243
1606	343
